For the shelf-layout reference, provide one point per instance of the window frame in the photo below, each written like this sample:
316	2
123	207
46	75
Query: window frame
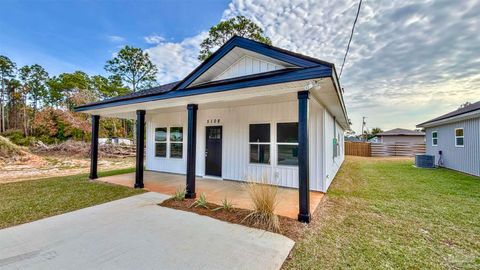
170	142
435	138
163	142
284	143
269	143
457	137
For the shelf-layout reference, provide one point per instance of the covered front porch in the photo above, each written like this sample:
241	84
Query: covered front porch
216	191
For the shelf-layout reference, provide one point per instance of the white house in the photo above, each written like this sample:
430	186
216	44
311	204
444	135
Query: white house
248	111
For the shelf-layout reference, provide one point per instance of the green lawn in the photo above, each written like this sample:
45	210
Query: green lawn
27	201
387	215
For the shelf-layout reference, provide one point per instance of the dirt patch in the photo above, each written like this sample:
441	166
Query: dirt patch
82	149
71	157
12	153
291	228
44	166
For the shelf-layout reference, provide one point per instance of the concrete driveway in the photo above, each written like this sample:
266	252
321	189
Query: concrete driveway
136	233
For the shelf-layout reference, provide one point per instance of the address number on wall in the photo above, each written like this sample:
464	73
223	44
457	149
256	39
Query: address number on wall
213	121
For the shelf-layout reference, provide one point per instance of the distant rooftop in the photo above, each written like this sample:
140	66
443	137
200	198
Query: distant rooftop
401	132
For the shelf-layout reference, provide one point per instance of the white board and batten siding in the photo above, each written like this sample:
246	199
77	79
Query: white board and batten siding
465	159
332	163
235	123
248	65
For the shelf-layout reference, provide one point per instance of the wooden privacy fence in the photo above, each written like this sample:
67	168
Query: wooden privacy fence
361	149
383	149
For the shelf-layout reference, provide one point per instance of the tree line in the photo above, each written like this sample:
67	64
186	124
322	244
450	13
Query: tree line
35	104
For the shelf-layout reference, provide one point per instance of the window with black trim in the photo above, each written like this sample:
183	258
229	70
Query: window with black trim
259	140
434	138
287	144
161	142
459	141
176	142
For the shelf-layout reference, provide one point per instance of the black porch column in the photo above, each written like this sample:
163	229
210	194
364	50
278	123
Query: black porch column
140	148
94	147
303	164
191	150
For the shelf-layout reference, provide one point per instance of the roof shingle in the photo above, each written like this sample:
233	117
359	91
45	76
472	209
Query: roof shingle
472	107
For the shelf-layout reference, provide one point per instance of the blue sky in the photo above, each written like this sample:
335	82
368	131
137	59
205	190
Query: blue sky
64	36
409	60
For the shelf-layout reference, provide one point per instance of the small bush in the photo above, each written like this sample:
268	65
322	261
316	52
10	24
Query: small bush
179	194
226	205
200	202
264	200
16	137
48	139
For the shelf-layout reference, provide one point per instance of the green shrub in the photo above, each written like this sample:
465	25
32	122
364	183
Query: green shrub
16	137
200	202
226	205
48	139
179	194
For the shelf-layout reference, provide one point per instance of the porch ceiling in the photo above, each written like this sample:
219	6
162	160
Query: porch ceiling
324	92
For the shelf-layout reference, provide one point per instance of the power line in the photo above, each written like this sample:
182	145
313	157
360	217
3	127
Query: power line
351	36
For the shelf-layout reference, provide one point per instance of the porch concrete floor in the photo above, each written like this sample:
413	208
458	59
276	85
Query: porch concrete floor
215	190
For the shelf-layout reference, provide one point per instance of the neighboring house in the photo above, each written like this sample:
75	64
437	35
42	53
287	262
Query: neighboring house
249	111
456	135
401	135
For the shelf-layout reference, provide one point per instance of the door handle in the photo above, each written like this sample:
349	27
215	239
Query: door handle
206	153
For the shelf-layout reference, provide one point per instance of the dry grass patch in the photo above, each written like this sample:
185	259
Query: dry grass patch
264	199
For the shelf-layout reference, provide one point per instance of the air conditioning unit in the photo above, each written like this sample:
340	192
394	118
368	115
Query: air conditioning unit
424	161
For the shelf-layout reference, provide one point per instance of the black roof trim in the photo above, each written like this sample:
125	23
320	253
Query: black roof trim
260	79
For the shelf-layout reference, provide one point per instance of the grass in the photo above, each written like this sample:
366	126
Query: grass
386	214
26	201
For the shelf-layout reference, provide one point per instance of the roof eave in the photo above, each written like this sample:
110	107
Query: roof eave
296	75
456	118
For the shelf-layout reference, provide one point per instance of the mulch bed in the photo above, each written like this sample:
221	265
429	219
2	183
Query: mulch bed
291	228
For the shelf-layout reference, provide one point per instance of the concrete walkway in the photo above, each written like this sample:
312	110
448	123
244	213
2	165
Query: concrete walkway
135	233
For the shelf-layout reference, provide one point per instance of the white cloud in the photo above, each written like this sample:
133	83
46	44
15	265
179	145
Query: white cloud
175	60
408	61
115	39
406	57
154	39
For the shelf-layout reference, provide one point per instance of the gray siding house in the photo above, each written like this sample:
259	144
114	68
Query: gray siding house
454	139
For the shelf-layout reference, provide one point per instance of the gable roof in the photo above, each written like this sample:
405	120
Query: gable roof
401	132
300	67
472	108
295	59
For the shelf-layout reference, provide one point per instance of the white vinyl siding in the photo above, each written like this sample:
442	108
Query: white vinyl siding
247	65
236	163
